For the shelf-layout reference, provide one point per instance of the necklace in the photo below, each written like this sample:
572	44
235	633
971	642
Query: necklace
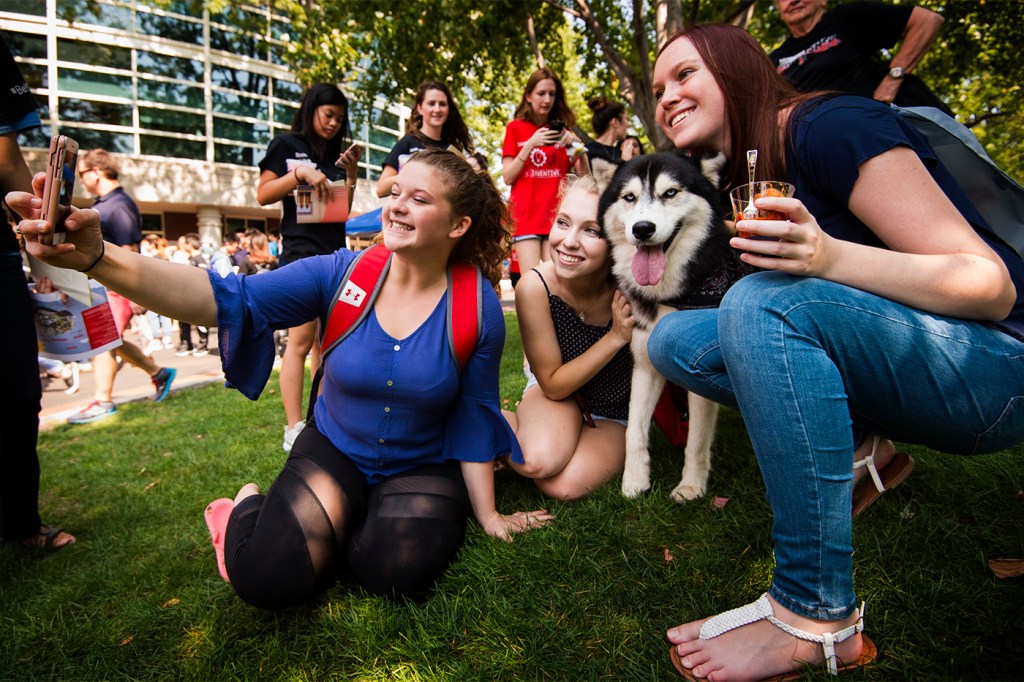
581	312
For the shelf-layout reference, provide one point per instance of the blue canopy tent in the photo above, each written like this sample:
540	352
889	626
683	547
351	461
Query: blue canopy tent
361	229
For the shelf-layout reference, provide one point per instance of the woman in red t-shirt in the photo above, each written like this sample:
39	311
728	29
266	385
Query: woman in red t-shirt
535	159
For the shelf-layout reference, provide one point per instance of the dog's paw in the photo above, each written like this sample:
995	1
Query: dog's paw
687	493
634	485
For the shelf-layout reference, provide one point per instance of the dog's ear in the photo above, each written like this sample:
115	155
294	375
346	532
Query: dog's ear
711	167
602	170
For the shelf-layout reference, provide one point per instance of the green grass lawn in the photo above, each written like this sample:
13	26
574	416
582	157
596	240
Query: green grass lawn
589	597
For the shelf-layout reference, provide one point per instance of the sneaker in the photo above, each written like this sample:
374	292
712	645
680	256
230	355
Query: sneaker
200	353
182	351
290	434
162	382
152	347
168	343
94	411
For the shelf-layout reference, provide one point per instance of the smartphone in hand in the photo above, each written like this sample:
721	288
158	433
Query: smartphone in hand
59	187
354	151
557	126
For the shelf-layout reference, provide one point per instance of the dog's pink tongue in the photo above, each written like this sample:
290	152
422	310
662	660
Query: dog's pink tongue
648	265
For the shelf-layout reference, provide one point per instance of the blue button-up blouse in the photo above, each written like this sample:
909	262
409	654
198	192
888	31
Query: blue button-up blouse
388	404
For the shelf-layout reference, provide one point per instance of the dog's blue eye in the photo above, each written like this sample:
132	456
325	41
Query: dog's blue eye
670	193
629	196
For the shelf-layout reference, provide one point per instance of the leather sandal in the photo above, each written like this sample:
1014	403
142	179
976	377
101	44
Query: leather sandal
871	487
762	610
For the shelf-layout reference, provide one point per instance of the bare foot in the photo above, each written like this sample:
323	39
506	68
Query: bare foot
759	650
247	490
884	450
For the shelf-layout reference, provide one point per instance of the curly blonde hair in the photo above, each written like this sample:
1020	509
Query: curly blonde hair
473	193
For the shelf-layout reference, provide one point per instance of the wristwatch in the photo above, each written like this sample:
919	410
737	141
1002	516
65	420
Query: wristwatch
897	72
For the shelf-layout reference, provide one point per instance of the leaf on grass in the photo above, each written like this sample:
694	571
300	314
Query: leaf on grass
151	484
719	502
199	436
668	556
167	454
174	601
127	640
504	401
1007	568
271	392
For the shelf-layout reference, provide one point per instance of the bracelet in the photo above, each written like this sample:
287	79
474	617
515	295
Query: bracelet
295	172
103	251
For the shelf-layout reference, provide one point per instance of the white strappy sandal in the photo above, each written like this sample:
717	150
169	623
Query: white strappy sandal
891	475
762	610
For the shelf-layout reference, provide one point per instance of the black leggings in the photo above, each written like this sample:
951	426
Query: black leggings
321	516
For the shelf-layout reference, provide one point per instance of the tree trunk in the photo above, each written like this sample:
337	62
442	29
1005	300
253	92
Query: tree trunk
668	18
533	41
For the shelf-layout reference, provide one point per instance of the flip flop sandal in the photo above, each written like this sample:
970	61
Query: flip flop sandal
871	487
762	610
217	514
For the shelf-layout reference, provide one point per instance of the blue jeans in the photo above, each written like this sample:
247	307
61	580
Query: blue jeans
809	363
160	325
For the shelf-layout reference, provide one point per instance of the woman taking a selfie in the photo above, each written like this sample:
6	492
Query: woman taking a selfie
435	122
401	448
535	160
314	152
887	310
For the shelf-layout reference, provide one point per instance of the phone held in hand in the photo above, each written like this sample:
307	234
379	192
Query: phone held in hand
59	187
355	149
557	126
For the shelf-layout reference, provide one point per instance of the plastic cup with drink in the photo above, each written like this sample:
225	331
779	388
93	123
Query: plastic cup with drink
743	208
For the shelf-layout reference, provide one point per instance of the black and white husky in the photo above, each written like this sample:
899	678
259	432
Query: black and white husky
670	251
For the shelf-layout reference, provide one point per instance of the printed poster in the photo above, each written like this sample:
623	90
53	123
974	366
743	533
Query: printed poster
70	330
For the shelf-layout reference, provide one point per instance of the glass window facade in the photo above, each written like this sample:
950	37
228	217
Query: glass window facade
145	82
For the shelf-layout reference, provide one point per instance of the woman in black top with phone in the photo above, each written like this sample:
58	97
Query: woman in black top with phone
435	121
309	154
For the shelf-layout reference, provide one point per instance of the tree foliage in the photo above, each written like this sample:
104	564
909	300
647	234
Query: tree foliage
484	50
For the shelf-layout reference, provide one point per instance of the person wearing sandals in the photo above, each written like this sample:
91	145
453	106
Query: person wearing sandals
886	309
576	327
19	420
401	448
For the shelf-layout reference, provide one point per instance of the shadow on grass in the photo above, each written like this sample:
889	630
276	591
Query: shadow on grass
588	597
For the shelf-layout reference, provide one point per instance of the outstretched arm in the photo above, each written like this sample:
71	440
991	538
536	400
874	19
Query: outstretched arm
479	477
179	291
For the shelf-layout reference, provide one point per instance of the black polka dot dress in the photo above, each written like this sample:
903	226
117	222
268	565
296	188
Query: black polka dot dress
607	393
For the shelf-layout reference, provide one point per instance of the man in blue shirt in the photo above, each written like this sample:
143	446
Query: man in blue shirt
121	224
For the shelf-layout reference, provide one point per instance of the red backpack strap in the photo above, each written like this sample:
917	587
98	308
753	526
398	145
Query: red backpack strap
354	298
465	311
